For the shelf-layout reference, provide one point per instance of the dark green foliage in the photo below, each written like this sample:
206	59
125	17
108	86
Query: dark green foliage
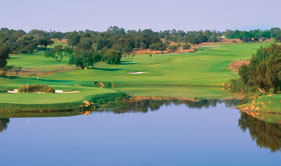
278	38
4	55
267	135
21	42
146	105
193	37
73	39
26	44
85	43
84	58
44	41
59	52
275	32
36	88
173	47
112	56
263	73
186	46
4	124
253	35
116	38
158	46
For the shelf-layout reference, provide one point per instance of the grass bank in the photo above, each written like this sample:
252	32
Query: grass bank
266	108
270	103
48	102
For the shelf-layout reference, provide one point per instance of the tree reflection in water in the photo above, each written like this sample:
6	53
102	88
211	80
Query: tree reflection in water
154	105
4	124
267	135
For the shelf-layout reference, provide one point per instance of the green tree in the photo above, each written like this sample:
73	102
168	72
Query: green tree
85	43
44	41
4	55
112	56
59	52
263	73
4	124
278	38
84	58
73	39
186	46
157	46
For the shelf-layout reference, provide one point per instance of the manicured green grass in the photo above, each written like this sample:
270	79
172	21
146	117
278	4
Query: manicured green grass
58	102
35	60
207	67
176	91
50	98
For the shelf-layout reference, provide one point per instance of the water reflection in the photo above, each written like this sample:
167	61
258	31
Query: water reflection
5	116
267	135
154	105
4	124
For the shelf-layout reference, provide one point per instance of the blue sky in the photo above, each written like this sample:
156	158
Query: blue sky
68	15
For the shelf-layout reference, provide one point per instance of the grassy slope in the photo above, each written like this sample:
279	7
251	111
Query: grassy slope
266	108
208	67
266	103
35	98
272	103
176	91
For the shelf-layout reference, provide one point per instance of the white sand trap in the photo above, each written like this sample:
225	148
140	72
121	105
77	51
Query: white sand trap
137	72
56	91
61	91
12	91
72	92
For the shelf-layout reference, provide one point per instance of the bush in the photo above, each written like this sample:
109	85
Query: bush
263	73
112	56
157	46
36	88
186	46
174	47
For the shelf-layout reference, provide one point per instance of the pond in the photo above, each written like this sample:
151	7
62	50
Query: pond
146	132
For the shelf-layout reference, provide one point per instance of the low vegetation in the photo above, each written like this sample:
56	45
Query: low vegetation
36	88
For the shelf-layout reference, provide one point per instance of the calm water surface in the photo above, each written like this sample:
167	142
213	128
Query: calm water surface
146	133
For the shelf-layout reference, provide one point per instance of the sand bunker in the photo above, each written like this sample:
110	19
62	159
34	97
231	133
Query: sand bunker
56	91
61	91
137	72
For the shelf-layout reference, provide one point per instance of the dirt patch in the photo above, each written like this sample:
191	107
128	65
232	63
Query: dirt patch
62	40
236	65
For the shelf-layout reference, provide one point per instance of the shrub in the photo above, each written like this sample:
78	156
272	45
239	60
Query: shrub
174	47
112	56
36	88
263	73
186	46
157	46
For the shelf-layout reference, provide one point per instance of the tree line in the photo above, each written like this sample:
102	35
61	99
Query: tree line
85	48
18	41
254	35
